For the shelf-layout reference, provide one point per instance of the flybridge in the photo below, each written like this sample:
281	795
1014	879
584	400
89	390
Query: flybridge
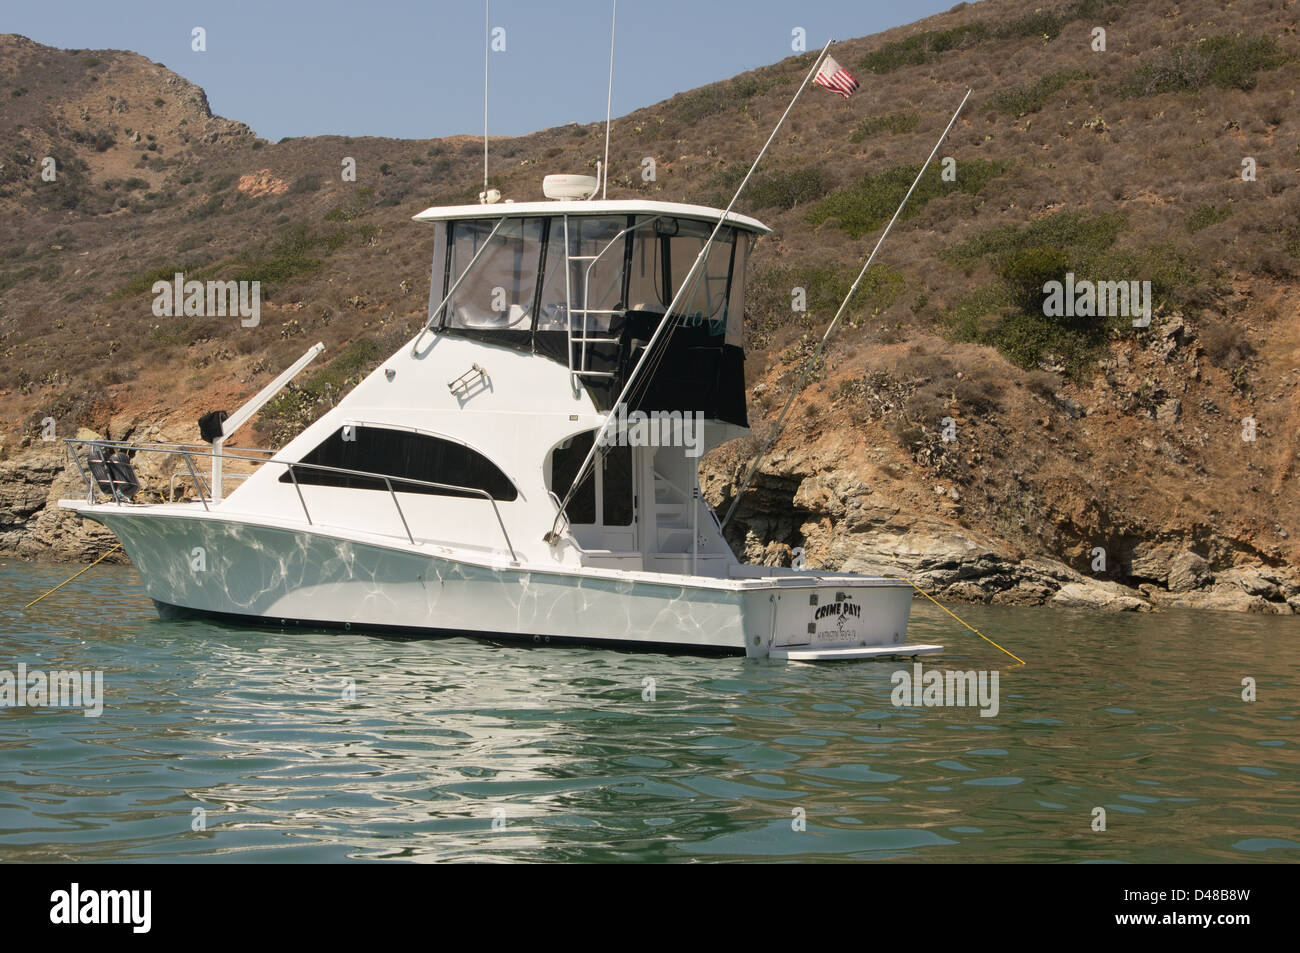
587	283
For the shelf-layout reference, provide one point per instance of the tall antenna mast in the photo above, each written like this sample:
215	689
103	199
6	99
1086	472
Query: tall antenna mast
487	52
609	99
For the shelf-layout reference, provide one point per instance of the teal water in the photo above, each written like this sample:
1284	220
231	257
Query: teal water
1139	714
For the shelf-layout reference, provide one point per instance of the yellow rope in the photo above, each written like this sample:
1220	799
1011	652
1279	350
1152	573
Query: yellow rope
955	616
70	578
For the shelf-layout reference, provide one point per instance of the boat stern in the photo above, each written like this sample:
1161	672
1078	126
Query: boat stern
829	618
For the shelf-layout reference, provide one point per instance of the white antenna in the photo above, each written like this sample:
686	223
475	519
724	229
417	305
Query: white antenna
487	52
609	99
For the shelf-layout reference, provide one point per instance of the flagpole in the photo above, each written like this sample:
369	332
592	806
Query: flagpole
821	345
552	536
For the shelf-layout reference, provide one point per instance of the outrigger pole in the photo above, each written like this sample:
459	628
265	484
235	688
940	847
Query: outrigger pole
821	345
687	283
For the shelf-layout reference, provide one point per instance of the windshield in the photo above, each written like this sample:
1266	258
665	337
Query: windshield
498	292
615	263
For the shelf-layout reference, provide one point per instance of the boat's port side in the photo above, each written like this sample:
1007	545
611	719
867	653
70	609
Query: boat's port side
280	575
209	564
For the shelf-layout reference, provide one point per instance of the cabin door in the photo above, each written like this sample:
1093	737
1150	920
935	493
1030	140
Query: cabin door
603	510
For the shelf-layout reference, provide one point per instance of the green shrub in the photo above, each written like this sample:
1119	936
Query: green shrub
1203	216
893	123
1228	62
142	283
917	49
1032	97
871	201
1089	235
787	189
1008	314
825	286
1026	272
1048	23
723	97
305	183
912	51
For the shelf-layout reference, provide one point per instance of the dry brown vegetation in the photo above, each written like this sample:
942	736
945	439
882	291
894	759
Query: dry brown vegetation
1117	164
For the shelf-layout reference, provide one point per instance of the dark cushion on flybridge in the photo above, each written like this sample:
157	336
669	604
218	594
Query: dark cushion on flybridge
210	424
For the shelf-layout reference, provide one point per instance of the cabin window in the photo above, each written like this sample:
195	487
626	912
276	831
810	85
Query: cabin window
402	454
596	285
705	301
662	257
498	293
437	283
646	276
736	304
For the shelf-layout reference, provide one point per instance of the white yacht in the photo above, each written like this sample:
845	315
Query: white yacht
440	496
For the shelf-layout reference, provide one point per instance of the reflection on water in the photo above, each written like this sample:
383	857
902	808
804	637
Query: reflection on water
566	752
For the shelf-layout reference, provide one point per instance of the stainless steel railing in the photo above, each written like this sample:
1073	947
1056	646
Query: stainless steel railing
189	451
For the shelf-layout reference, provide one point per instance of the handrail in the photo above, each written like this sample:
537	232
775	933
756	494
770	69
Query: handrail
301	501
291	465
198	483
686	497
556	498
402	516
415	345
586	286
171	483
656	473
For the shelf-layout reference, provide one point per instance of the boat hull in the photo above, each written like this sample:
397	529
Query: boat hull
251	572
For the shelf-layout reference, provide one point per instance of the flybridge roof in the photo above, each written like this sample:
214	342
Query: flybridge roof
442	213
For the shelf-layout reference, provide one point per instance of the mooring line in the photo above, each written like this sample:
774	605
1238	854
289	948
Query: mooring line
74	576
962	621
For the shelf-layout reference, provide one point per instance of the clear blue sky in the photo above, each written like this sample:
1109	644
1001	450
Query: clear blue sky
415	70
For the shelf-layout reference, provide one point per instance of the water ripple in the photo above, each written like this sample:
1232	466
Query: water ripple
304	746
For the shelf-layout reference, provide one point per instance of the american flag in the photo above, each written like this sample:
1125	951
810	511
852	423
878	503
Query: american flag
835	78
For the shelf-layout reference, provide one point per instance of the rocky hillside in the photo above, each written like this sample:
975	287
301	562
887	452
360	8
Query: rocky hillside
1086	461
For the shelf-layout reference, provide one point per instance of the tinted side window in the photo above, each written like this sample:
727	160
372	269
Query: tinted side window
400	453
565	461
